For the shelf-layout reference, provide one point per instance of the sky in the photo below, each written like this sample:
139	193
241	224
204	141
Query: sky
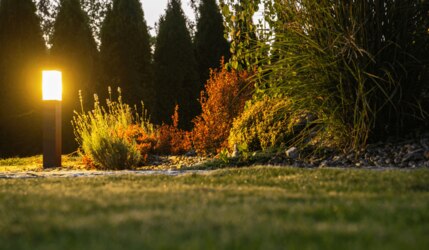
153	9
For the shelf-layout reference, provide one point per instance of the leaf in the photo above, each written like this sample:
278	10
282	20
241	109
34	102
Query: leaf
235	64
225	10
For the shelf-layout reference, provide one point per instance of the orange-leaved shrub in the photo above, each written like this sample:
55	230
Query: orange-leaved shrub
170	139
145	139
223	99
163	140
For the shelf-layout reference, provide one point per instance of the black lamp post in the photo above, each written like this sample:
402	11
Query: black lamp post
52	97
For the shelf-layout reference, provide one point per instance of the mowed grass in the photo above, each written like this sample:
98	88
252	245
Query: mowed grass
35	163
248	208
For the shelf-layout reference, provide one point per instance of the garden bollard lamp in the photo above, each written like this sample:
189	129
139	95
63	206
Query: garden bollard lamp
52	96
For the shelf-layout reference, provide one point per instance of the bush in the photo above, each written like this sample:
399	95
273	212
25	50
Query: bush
116	137
271	124
361	66
223	99
252	130
145	139
170	139
103	137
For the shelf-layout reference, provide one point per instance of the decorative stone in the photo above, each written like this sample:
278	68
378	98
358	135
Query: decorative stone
323	164
414	155
191	153
235	152
292	153
426	155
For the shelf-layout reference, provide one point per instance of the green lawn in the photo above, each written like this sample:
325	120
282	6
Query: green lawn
249	208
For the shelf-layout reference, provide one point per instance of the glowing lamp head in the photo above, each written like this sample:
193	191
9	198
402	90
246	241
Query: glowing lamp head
52	85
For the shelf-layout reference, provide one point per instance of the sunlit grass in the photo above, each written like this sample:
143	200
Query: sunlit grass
35	163
250	208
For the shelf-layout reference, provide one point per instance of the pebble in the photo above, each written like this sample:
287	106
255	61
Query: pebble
191	153
426	154
292	153
405	154
235	151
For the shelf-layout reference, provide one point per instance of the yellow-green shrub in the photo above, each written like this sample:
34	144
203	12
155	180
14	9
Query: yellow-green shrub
263	125
274	123
116	137
102	135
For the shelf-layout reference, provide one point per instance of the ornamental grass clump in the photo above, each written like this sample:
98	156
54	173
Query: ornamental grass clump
360	67
103	135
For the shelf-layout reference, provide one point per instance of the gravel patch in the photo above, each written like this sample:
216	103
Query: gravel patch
412	153
405	154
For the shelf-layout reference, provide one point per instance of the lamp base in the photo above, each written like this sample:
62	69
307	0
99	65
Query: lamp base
51	134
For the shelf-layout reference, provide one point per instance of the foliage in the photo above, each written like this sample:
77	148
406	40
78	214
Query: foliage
176	77
73	47
74	52
210	44
22	53
162	140
360	66
102	134
271	124
125	52
48	10
117	137
171	139
223	99
263	125
145	139
241	31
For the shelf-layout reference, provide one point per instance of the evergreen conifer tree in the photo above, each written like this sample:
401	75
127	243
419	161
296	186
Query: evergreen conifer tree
22	51
176	78
126	54
210	43
73	51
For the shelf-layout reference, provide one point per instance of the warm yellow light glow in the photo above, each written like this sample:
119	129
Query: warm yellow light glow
52	85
